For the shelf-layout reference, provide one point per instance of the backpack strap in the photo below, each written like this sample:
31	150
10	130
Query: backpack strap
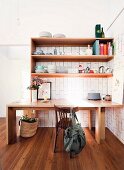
73	115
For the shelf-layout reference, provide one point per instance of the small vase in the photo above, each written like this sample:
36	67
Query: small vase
34	95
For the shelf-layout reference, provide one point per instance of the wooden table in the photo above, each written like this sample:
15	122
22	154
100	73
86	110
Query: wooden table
98	106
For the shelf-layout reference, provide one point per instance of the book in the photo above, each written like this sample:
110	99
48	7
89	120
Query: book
96	48
109	48
101	46
105	49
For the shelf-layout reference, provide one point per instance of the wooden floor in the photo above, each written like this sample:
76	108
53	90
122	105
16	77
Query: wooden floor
36	153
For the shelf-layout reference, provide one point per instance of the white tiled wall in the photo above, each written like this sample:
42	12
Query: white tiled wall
47	119
75	88
115	122
115	116
79	87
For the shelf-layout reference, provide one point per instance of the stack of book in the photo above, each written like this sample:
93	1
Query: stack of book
101	48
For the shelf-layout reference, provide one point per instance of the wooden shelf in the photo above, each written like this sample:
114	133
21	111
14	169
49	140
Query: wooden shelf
67	42
40	41
81	75
85	58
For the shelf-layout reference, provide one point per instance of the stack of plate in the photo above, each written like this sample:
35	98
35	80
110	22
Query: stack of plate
61	69
39	71
51	69
45	34
72	70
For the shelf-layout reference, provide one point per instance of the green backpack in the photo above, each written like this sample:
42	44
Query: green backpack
74	137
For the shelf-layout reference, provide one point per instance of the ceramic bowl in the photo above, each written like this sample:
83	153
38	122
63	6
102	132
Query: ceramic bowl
59	36
45	34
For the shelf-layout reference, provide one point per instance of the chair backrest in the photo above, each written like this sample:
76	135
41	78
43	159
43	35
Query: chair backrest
62	115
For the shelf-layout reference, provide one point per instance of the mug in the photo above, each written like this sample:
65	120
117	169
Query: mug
107	97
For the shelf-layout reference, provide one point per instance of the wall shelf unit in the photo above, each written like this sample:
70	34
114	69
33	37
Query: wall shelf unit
81	75
68	42
74	58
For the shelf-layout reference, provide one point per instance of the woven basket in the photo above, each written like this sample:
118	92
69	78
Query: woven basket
28	129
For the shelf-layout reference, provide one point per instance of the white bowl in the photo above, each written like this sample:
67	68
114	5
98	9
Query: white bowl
45	34
59	36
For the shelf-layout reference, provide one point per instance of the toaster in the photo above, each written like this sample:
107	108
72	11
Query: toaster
94	96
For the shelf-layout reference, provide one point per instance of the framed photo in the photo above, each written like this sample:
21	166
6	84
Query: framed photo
44	91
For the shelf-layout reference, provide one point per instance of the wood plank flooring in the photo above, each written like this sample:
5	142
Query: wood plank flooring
36	153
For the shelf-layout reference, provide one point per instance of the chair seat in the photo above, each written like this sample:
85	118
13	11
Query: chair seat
64	123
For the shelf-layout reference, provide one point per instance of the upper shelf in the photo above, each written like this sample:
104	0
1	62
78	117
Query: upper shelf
85	58
81	75
41	41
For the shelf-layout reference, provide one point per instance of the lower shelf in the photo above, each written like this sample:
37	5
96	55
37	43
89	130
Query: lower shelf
82	75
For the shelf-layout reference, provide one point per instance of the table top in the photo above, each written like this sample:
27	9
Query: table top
64	102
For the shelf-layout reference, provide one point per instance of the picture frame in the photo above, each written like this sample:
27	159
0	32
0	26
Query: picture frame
44	91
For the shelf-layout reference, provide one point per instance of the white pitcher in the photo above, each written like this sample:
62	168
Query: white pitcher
34	95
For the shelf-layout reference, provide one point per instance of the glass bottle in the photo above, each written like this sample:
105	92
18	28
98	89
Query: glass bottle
102	33
88	50
55	51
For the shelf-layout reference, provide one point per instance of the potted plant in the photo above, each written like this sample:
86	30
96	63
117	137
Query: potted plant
28	126
36	82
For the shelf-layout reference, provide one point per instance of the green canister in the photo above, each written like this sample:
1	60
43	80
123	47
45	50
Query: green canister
98	31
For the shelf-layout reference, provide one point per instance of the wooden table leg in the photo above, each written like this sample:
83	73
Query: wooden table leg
89	119
102	123
98	125
11	135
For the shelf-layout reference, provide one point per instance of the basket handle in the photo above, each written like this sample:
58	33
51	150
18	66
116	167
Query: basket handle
19	122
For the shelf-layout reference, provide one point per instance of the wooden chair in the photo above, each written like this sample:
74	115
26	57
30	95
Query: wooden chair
63	119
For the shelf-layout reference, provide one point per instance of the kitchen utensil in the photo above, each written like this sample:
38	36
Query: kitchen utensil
55	51
107	97
108	70
87	69
101	69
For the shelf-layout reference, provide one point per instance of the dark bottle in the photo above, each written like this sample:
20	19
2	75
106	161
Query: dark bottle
102	33
55	51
